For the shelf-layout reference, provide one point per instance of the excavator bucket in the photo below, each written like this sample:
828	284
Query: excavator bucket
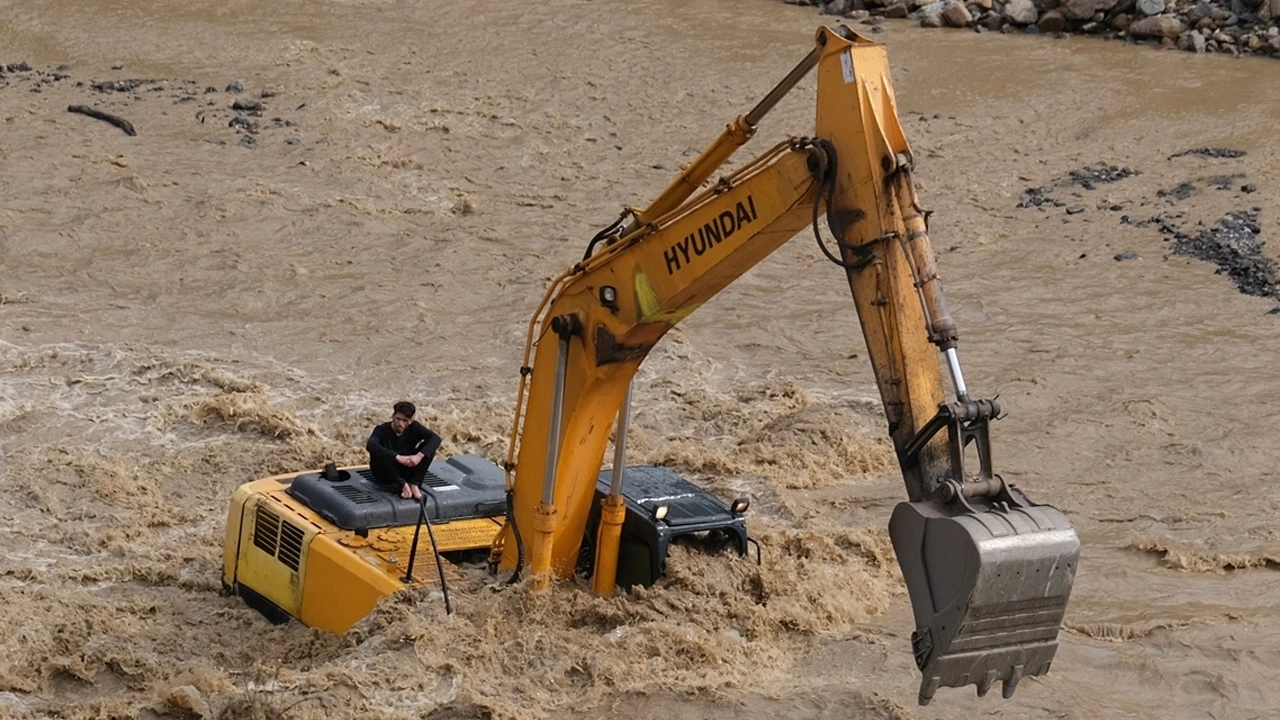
989	586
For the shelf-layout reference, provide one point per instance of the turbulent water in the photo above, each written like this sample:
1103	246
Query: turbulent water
186	309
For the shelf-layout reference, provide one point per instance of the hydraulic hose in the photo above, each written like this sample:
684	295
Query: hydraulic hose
515	530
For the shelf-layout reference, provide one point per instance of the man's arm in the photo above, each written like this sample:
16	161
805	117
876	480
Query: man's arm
425	441
376	446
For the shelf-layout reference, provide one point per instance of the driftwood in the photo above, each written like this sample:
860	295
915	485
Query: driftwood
119	122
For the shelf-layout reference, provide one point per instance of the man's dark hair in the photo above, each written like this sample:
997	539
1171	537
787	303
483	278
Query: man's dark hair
405	408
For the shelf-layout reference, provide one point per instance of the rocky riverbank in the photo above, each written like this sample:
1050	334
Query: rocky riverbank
1237	27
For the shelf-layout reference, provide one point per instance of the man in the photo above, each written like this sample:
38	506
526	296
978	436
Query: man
401	450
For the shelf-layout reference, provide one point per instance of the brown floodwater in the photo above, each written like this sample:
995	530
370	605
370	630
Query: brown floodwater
180	313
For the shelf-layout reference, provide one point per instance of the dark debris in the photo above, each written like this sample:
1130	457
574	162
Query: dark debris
1099	173
1210	152
1235	246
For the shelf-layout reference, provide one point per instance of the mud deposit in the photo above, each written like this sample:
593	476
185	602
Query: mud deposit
328	207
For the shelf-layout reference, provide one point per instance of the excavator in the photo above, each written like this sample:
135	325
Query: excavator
988	571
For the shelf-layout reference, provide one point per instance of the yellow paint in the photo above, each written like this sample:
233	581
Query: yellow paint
686	247
341	576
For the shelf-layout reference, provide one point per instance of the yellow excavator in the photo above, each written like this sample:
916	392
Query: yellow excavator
988	571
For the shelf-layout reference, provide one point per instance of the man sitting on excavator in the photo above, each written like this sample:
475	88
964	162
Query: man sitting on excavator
401	450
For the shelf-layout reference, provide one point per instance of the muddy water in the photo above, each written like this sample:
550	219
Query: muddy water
180	313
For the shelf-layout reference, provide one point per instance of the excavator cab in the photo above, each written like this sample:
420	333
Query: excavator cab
662	509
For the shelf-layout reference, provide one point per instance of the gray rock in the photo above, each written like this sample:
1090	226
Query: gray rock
1127	255
1197	41
1075	210
248	105
1121	22
1083	9
236	86
926	10
1022	12
1052	21
932	20
1150	7
955	14
1161	26
896	10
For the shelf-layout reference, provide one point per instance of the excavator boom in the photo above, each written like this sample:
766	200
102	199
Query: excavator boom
989	572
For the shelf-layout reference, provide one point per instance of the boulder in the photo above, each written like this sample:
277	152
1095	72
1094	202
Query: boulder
1052	21
955	14
1083	9
1022	12
1150	7
924	11
1161	26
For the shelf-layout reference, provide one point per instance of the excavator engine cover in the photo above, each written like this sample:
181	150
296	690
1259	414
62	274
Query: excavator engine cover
989	588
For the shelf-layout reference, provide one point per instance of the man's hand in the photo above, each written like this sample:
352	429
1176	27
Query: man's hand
409	460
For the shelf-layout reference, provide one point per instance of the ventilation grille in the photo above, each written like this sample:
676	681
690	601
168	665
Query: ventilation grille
266	531
435	481
281	540
355	494
290	545
431	480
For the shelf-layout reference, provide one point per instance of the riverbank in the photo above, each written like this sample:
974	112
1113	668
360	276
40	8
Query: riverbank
1236	27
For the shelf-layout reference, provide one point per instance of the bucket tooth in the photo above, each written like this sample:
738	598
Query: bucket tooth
984	685
928	687
1011	682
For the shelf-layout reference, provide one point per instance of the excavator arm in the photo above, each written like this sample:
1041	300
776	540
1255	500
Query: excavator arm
989	572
